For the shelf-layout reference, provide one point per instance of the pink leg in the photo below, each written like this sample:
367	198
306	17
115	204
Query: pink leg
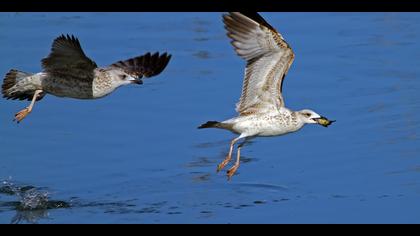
23	113
232	170
229	156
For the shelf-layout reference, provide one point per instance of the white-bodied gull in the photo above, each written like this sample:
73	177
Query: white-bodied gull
261	107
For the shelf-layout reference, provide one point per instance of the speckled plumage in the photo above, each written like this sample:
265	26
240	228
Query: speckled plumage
261	107
68	72
270	123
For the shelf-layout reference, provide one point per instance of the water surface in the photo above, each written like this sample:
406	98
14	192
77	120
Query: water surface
137	157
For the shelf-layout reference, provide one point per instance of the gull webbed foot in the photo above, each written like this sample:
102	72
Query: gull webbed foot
232	171
224	163
21	115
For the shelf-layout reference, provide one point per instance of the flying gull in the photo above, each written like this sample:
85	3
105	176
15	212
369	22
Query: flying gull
68	72
261	107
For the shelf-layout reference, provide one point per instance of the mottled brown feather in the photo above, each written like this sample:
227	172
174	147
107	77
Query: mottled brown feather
67	58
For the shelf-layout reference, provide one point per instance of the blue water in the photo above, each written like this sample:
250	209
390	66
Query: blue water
137	157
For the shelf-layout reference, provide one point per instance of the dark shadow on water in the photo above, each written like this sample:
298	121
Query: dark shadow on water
201	162
202	55
201	176
245	159
69	18
213	144
128	207
201	39
225	142
262	186
212	162
200	25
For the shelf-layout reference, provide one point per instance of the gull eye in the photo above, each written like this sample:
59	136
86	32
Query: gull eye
308	114
123	77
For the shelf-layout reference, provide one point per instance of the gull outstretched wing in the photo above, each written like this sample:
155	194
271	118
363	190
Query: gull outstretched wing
268	58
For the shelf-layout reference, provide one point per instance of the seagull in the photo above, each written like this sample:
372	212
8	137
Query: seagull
68	72
261	107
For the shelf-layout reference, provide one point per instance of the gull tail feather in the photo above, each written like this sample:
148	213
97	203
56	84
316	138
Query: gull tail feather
18	85
210	124
215	124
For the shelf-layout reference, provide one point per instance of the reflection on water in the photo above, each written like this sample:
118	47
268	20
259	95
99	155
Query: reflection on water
30	216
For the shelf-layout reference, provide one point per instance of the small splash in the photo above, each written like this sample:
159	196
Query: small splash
30	197
32	203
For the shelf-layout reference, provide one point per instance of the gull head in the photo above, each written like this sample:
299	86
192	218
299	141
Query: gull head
310	117
119	78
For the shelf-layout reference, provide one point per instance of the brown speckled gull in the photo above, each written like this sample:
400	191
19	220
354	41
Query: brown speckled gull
68	72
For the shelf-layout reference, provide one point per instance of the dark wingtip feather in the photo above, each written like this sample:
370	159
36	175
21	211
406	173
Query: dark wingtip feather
255	16
147	65
159	63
